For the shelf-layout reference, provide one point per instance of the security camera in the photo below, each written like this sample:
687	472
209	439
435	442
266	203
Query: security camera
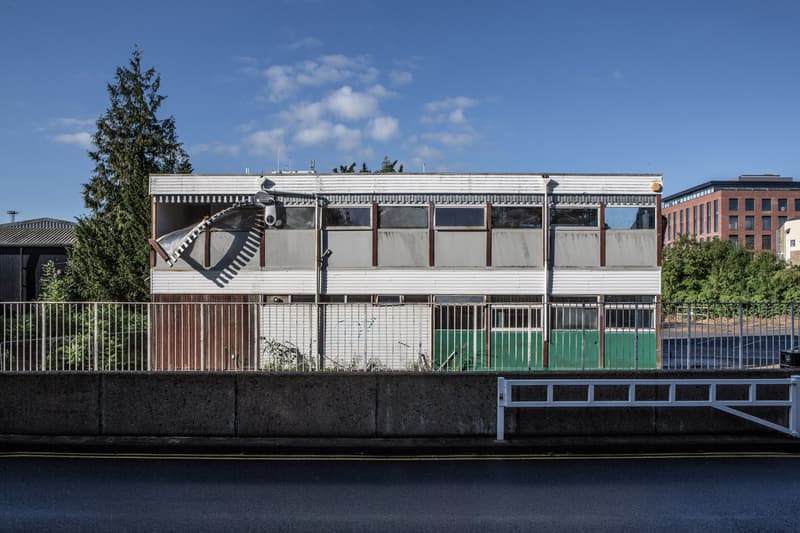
270	213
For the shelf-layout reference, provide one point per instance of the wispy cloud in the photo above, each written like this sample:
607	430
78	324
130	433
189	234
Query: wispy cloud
305	42
81	138
285	80
216	148
401	77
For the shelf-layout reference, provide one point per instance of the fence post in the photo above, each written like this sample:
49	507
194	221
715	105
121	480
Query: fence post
202	339
44	336
149	340
688	335
741	336
95	331
501	418
636	336
791	340
794	408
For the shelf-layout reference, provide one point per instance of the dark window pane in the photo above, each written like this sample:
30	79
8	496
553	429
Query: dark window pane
629	317
766	204
749	222
749	204
238	220
459	216
734	240
458	317
516	217
516	318
574	317
402	217
766	242
630	217
733	204
766	223
299	218
782	204
749	241
346	216
574	216
733	222
797	204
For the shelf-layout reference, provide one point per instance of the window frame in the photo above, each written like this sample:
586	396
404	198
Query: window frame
436	226
554	210
504	205
327	227
394	228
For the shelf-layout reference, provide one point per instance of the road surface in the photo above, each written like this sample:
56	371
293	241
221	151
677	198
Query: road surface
414	494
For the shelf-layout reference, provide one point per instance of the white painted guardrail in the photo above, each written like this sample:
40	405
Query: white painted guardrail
505	398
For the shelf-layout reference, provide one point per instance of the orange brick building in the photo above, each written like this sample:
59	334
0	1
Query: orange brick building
747	210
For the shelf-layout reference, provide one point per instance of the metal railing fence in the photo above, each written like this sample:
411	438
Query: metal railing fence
234	336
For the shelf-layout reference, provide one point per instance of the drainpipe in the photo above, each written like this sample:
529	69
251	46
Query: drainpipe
547	273
317	278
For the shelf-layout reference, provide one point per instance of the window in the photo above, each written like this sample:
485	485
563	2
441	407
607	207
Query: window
791	243
733	222
766	223
749	222
733	204
633	316
716	216
781	221
402	217
766	242
766	204
681	217
574	216
516	217
702	218
346	217
734	240
797	204
516	317
749	242
750	204
708	217
574	316
782	204
460	217
694	220
630	218
299	218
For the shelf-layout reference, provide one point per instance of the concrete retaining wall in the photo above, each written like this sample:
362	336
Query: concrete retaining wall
362	406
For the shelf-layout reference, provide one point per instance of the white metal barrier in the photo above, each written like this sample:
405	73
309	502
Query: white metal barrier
505	399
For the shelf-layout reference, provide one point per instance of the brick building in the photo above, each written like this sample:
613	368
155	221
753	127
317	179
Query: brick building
747	210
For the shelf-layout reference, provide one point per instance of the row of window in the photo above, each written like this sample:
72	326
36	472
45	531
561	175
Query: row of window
750	241
394	217
527	318
750	222
678	222
766	204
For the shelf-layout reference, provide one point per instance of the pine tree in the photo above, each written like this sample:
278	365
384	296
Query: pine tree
110	260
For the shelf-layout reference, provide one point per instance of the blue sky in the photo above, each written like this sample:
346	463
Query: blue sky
693	90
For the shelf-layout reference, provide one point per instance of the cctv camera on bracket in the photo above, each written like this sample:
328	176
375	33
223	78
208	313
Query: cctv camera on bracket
270	205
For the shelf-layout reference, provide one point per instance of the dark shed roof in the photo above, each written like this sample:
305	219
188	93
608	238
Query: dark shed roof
38	232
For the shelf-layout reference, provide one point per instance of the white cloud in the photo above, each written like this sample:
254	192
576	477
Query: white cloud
351	105
401	77
281	82
380	91
216	148
448	104
323	132
383	128
284	80
305	42
82	139
456	116
265	141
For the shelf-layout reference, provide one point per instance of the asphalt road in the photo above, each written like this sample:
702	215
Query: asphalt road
555	494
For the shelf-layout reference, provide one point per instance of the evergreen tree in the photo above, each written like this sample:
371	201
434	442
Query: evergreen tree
110	260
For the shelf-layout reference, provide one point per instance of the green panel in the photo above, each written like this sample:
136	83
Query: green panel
621	349
572	349
459	349
509	350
